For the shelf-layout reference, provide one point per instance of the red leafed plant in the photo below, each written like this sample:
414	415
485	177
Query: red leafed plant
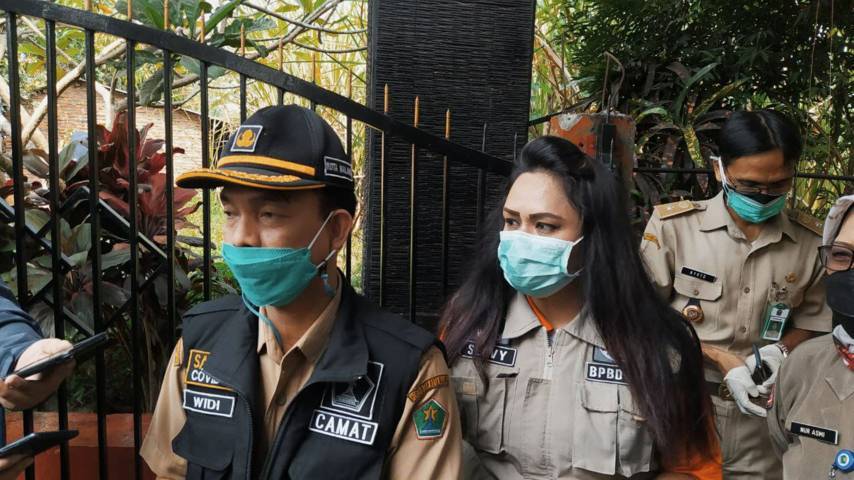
114	163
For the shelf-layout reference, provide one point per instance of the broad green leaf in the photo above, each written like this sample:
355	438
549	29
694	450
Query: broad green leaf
36	219
677	105
693	145
724	91
220	14
653	111
115	258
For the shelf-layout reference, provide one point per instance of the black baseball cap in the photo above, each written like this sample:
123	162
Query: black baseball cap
278	148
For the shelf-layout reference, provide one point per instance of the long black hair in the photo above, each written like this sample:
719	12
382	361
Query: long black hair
656	348
750	133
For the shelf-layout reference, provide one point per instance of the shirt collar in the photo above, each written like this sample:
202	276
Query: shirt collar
520	319
717	216
313	341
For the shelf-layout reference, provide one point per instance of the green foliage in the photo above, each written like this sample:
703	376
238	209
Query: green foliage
687	63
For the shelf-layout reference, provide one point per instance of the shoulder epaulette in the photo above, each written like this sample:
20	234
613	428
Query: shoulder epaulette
670	210
806	220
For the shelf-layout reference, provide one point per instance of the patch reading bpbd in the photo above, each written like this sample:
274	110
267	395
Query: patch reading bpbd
604	372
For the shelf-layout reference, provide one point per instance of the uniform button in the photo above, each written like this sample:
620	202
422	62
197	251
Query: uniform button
746	289
742	329
696	292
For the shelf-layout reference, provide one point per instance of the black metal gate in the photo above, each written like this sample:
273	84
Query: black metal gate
99	211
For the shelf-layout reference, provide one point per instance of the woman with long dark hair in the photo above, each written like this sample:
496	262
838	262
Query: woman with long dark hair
565	361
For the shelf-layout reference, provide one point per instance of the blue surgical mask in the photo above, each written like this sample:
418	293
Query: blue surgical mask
748	208
533	265
273	276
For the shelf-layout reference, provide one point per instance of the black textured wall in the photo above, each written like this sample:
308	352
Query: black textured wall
473	57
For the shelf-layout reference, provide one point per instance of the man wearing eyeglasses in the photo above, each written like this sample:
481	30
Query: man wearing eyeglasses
812	419
746	275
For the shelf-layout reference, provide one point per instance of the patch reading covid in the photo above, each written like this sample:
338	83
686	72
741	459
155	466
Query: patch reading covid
246	138
603	368
429	420
347	409
209	403
821	434
196	374
500	355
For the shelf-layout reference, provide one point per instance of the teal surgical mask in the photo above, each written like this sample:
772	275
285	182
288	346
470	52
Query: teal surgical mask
273	276
533	265
748	208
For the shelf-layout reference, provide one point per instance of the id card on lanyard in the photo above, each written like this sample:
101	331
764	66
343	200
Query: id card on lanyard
776	317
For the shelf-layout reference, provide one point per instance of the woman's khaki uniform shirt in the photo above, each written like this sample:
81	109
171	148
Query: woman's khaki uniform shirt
559	411
813	413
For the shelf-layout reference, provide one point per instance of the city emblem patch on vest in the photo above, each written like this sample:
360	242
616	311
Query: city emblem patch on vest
429	420
603	368
347	409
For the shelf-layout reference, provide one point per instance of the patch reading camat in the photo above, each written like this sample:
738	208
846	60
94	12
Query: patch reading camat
426	386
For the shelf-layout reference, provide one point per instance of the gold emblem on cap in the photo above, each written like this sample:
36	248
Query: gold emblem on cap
245	139
693	313
791	277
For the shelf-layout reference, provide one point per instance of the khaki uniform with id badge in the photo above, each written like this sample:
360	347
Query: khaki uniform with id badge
737	294
556	409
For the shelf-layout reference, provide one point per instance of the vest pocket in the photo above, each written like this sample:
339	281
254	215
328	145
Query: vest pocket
482	410
594	442
207	447
633	438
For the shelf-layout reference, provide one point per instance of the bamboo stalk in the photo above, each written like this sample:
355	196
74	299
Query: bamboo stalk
417	110
165	14
447	124
242	40
202	31
385	99
281	53
130	10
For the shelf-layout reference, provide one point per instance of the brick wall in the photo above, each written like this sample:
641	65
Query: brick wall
186	126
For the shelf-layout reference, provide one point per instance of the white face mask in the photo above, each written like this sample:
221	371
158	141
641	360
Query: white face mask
536	266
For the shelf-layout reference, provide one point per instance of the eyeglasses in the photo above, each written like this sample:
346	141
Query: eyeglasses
836	258
774	189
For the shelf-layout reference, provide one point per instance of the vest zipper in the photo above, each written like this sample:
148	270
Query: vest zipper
251	434
548	365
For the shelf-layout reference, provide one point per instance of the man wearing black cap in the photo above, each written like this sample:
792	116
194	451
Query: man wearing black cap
299	377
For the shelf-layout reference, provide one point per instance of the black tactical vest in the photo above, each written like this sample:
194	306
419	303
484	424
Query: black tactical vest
338	426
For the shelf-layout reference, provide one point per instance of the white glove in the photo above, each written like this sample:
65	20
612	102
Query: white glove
741	387
771	355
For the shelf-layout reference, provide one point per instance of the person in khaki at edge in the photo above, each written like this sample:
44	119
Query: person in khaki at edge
812	417
301	378
745	274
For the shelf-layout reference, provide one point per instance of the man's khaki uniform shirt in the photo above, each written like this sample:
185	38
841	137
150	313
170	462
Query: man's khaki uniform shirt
814	389
556	410
742	277
282	376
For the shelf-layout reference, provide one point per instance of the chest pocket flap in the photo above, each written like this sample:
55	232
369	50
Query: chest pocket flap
204	443
694	288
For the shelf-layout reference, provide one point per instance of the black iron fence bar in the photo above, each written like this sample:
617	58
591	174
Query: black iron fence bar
171	311
206	193
95	220
216	56
18	181
141	287
413	205
280	96
55	235
133	190
709	171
